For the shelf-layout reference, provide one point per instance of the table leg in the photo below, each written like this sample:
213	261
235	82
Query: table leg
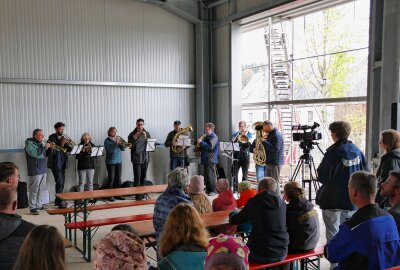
75	215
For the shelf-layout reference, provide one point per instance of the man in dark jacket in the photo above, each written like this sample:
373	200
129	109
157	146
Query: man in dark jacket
13	229
269	239
178	159
369	239
140	159
339	162
35	152
58	160
243	138
391	189
9	173
274	153
208	144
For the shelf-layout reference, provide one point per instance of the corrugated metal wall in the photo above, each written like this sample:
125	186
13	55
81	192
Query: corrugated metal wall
67	60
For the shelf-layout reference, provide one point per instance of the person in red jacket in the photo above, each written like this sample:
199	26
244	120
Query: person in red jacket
246	192
224	201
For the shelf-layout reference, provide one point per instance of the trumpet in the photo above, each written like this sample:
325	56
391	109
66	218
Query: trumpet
124	143
201	138
87	148
56	147
68	139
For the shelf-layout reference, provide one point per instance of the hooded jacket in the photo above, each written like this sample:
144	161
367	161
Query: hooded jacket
340	160
245	196
13	230
274	148
224	201
302	225
35	154
267	214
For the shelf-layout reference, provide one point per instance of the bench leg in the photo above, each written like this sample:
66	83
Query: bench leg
75	215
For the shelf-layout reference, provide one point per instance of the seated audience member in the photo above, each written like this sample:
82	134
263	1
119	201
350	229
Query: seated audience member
269	239
124	227
120	250
245	193
184	240
9	173
197	195
174	194
301	220
13	229
391	189
369	239
224	201
227	253
42	249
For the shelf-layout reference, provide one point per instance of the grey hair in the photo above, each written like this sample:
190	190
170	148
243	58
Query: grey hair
178	178
268	123
267	183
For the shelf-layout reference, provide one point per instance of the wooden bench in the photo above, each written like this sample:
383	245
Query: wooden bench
304	259
89	226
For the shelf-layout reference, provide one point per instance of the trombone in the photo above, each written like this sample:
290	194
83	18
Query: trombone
124	143
68	139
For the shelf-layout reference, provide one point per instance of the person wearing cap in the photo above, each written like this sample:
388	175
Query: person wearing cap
196	193
177	159
120	250
227	252
268	241
224	201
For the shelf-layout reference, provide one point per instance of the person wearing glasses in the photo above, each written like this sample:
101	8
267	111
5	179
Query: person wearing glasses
140	159
389	144
391	190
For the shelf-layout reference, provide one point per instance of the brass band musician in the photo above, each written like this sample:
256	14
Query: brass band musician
243	137
178	154
86	163
140	159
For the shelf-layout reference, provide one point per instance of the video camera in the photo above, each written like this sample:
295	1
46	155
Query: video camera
311	135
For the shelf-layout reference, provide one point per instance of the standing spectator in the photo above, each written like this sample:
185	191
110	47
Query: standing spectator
301	220
227	252
9	173
42	249
208	144
389	143
274	147
268	240
120	250
174	194
224	201
391	189
369	239
140	159
13	229
114	148
86	163
340	161
184	240
197	195
35	152
58	160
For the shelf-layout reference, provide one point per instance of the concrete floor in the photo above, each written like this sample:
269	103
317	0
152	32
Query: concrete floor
74	258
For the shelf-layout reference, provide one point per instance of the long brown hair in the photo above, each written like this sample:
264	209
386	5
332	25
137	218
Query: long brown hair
391	138
201	203
43	249
183	226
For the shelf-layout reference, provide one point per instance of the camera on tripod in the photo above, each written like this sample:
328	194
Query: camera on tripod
306	138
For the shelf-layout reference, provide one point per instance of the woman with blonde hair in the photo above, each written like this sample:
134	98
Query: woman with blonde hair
197	195
42	249
86	163
301	219
183	240
389	143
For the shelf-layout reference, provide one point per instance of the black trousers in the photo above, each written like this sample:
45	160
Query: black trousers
210	178
244	164
59	178
139	173
114	175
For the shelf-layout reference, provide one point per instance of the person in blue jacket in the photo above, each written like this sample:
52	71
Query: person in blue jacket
340	160
114	148
369	239
208	145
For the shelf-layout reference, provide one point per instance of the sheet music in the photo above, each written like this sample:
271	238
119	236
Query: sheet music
97	151
184	141
229	146
151	145
76	150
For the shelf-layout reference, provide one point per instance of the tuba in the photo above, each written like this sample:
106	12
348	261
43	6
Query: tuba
179	148
259	154
124	143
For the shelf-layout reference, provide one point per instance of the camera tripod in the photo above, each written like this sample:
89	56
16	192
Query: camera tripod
306	160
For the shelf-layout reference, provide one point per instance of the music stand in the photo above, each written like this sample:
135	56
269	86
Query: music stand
97	151
76	149
150	145
229	148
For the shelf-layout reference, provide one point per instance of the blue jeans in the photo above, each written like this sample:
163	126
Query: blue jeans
177	162
261	172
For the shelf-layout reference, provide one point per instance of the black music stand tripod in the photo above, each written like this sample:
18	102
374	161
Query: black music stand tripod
229	148
306	161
